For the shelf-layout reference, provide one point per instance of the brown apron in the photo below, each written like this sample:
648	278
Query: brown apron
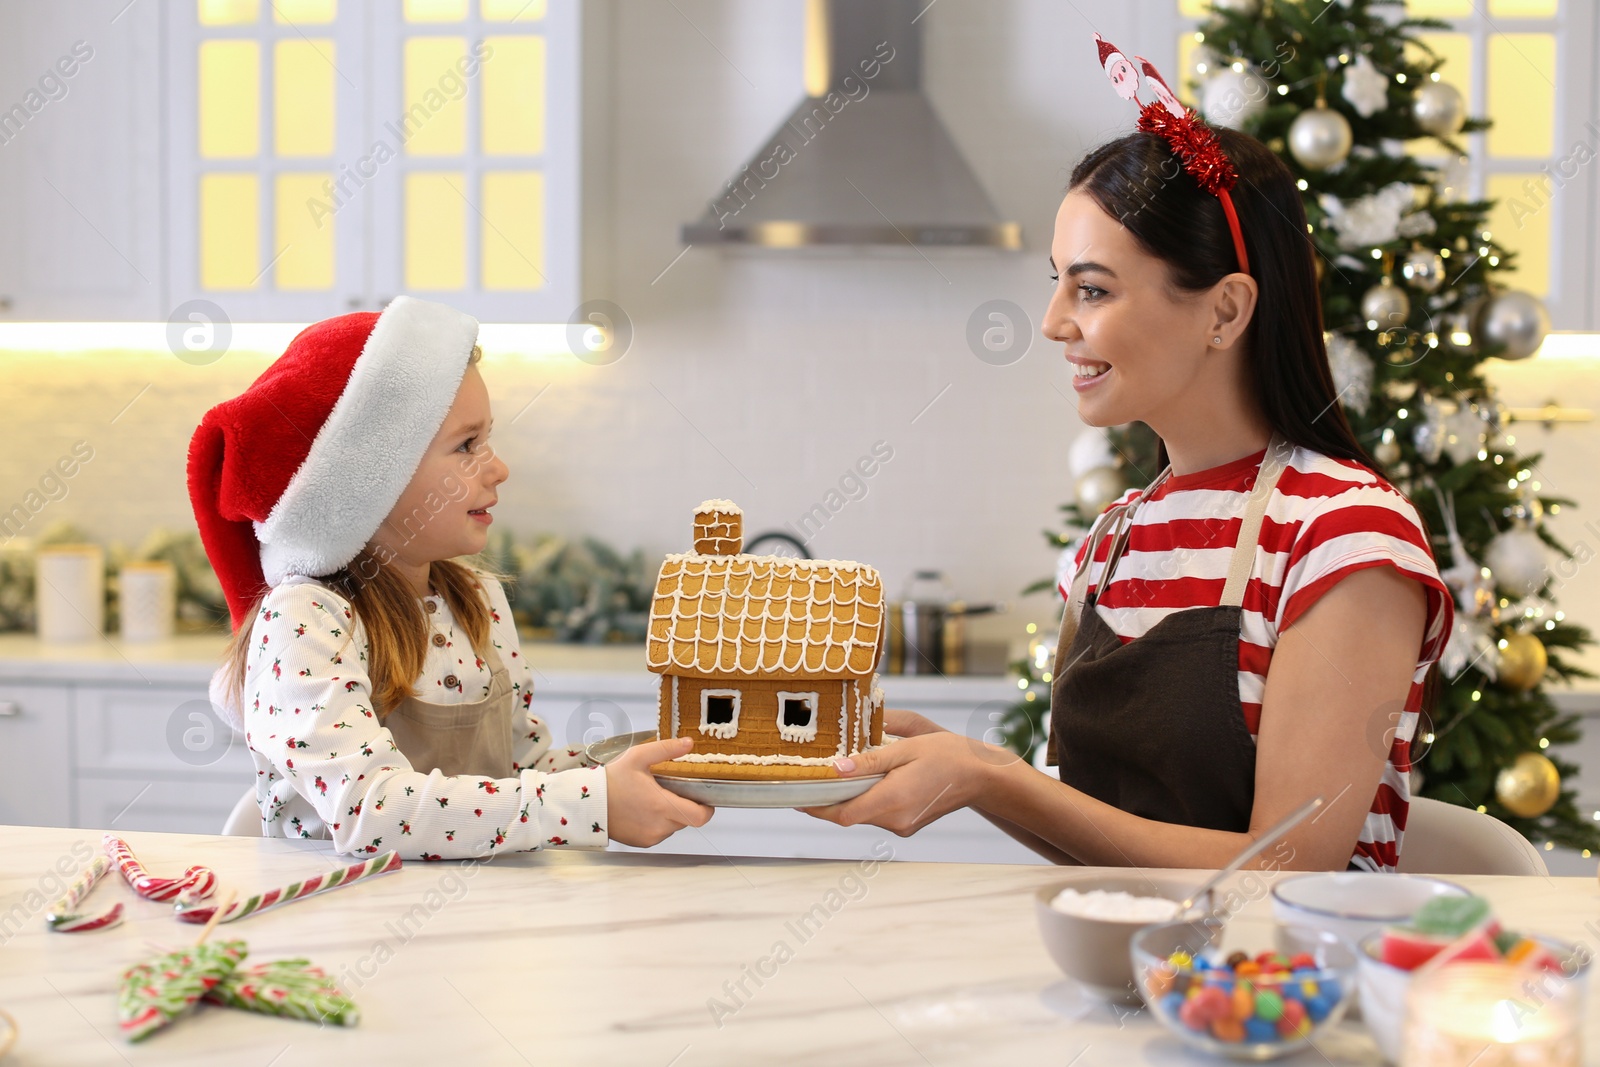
1154	726
469	739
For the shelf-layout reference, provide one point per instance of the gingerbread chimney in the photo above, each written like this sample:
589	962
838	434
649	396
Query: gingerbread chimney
718	528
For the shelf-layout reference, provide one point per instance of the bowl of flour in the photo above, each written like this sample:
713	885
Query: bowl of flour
1087	920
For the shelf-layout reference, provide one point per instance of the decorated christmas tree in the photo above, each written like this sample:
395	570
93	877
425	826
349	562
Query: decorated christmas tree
1415	299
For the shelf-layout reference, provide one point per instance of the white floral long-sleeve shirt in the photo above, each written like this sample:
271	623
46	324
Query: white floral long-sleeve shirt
326	767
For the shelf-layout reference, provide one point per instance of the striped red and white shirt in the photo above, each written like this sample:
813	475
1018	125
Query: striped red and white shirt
1327	518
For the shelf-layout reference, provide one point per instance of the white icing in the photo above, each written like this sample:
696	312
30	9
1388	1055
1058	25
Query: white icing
726	507
797	734
695	605
844	714
720	730
766	760
675	726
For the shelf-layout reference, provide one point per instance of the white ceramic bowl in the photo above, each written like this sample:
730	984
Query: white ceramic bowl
1355	904
1094	952
1384	988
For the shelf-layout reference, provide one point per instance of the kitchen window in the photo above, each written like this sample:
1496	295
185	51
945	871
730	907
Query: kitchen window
336	154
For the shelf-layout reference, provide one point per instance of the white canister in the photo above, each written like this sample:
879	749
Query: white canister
71	592
147	600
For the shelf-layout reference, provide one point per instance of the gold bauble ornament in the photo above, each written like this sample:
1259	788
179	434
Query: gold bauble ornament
1529	787
1522	663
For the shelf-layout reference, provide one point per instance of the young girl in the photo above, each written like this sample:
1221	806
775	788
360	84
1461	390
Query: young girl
1255	627
379	683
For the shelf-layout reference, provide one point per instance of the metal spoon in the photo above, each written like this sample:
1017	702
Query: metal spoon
1289	822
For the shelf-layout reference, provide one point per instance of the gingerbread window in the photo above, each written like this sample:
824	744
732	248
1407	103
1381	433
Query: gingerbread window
719	712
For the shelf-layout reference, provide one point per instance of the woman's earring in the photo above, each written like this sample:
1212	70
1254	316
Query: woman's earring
1217	340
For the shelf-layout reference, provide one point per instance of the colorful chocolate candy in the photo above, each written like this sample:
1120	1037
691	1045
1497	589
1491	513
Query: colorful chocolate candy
1265	999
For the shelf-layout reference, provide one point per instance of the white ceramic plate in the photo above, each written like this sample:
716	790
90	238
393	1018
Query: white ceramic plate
733	793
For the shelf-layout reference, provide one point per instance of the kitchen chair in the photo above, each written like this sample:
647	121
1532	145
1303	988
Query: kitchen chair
1443	838
245	818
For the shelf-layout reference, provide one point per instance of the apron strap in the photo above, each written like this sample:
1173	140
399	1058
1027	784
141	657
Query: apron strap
1244	550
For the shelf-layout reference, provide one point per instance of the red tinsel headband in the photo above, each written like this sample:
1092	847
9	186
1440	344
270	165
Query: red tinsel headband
1194	143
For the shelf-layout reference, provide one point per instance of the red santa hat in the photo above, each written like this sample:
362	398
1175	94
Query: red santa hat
296	474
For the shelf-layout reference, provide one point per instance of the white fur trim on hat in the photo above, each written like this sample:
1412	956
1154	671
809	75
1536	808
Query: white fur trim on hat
363	457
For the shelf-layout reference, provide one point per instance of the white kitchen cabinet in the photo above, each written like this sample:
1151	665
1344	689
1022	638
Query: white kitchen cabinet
35	754
80	168
181	806
324	157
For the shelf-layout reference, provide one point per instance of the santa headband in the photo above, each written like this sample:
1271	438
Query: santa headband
1194	143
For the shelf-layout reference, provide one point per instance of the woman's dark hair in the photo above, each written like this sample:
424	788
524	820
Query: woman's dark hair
1137	180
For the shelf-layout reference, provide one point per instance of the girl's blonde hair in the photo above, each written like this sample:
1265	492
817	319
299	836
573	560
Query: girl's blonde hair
396	623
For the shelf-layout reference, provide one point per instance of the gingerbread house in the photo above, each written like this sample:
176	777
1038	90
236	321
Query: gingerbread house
768	662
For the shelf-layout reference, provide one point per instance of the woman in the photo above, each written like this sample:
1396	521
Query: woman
1256	625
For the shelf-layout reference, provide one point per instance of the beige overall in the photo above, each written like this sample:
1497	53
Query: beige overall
459	739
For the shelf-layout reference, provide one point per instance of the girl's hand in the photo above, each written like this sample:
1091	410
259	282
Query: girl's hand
927	777
638	811
904	723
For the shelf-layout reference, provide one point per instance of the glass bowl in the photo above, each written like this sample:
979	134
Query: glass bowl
1297	981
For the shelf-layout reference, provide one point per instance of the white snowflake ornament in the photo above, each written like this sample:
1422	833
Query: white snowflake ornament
1352	372
1365	87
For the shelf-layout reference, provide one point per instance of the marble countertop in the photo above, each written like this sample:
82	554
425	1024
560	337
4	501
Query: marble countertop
567	958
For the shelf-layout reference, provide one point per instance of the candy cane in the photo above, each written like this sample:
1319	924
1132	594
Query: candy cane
199	881
63	916
190	910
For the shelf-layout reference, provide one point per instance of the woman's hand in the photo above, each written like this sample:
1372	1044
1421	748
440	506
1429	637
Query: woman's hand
904	723
638	811
928	775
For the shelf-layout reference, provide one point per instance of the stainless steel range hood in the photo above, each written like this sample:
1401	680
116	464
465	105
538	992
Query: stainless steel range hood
863	159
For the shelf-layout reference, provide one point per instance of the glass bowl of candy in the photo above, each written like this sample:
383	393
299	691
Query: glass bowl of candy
1244	989
1451	930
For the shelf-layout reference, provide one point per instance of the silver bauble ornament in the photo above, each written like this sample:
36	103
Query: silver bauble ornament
1234	98
1428	435
1518	560
1320	138
1099	488
1385	306
1238	7
1516	320
1090	449
1439	108
1422	269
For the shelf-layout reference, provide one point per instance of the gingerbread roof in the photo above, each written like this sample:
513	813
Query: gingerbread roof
766	616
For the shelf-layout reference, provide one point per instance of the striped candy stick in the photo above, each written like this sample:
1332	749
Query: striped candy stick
190	910
63	916
292	989
156	992
200	881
